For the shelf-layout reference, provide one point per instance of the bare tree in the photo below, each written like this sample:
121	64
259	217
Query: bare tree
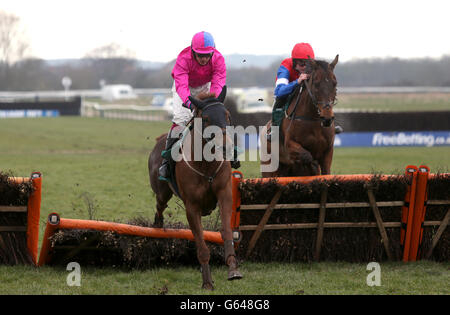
111	51
13	45
112	63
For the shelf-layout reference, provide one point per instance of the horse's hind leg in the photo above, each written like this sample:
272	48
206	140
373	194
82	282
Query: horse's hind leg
161	204
194	218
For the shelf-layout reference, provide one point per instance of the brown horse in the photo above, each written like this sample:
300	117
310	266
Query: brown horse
306	135
202	184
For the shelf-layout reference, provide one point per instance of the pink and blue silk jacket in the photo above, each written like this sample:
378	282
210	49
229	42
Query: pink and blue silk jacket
187	72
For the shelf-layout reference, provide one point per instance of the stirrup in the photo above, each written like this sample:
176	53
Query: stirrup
269	133
163	171
163	179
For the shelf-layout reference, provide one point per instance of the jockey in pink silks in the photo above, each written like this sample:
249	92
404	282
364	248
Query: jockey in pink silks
200	67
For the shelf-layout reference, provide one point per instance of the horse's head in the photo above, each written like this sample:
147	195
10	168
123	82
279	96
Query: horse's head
215	119
322	89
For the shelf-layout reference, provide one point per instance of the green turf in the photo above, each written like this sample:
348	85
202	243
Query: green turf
395	102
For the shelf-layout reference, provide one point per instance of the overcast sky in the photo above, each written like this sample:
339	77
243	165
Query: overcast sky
158	30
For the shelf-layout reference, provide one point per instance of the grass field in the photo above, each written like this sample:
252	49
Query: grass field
101	165
395	102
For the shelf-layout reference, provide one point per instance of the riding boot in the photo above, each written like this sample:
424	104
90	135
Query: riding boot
164	168
235	163
277	109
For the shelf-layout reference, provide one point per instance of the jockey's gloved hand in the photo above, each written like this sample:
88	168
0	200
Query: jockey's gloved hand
188	105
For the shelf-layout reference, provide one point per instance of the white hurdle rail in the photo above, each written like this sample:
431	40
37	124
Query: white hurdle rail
119	111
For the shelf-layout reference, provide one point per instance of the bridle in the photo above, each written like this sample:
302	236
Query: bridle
209	178
325	104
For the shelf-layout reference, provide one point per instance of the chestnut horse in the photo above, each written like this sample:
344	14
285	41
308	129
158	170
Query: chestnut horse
202	184
306	134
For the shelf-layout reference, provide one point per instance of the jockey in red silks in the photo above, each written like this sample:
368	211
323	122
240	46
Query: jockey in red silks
199	67
291	73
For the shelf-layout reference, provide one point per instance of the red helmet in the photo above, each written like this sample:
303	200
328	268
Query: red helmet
302	51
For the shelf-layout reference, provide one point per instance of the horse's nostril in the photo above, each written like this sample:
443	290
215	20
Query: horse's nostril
326	122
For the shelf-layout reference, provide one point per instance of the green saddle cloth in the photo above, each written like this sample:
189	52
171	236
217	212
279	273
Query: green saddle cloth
279	112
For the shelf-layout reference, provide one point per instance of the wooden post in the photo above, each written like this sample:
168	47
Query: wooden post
263	222
376	213
320	224
438	234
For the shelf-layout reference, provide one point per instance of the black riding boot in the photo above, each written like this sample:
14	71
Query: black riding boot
276	111
164	168
235	163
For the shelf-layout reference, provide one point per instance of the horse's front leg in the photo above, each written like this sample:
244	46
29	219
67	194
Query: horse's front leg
193	214
298	154
325	162
224	198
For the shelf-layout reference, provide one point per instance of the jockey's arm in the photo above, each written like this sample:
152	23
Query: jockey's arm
219	75
181	78
282	86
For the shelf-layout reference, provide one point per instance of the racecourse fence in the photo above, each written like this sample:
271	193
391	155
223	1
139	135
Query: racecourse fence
119	111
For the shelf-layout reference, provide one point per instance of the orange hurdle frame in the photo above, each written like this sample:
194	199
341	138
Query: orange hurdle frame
413	210
419	212
413	213
408	212
33	211
55	222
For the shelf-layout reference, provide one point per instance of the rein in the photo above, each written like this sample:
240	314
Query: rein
326	105
292	116
209	178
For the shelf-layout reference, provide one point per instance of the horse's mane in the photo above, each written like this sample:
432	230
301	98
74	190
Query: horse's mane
323	64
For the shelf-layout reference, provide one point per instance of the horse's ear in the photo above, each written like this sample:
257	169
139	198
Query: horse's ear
196	102
222	95
334	62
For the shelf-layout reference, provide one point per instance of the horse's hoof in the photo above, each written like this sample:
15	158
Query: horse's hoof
234	275
159	221
208	286
306	158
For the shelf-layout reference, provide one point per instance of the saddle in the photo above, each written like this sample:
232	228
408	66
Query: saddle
174	150
279	112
